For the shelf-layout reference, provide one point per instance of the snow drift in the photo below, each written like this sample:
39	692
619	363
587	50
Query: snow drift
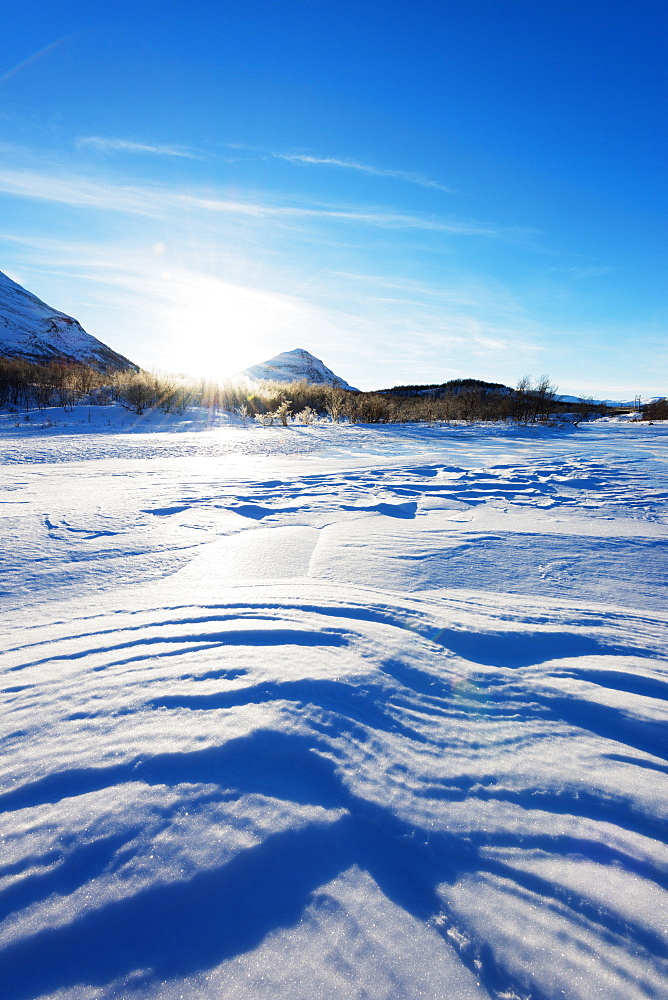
334	712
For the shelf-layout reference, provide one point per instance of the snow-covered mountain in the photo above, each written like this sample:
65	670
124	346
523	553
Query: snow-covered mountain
639	400
295	366
32	330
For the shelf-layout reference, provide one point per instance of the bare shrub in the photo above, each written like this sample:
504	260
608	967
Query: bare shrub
282	412
334	402
656	410
265	419
139	391
306	416
51	383
586	408
533	401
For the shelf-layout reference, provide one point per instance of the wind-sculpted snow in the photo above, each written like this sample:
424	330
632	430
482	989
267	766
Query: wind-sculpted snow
344	731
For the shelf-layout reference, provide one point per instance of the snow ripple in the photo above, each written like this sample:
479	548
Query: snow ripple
370	726
227	774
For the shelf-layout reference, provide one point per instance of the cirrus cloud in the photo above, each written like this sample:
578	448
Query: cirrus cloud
105	144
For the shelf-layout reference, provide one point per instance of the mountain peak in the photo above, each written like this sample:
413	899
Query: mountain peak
298	365
32	330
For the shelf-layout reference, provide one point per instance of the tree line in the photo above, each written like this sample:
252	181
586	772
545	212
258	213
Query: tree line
25	385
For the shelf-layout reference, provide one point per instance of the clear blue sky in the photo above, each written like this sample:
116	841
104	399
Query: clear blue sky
411	191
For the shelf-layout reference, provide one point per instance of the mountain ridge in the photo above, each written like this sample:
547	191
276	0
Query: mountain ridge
297	365
32	330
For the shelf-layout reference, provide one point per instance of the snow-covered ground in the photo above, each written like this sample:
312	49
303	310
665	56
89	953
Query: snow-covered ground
333	712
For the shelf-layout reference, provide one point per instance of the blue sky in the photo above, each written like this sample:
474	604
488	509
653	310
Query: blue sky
411	191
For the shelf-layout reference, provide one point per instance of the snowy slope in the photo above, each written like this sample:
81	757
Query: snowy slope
31	329
334	713
295	366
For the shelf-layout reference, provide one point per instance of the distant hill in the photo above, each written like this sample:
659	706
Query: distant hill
32	330
295	366
451	388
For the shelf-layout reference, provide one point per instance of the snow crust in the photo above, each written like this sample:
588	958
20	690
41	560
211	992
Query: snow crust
295	366
31	329
332	711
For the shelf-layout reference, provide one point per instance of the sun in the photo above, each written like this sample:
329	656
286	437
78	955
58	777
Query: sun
214	328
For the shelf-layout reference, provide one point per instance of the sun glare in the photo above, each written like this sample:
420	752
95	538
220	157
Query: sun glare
214	328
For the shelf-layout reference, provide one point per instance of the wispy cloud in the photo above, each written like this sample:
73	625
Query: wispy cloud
157	202
365	168
35	56
580	272
132	199
108	145
75	191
